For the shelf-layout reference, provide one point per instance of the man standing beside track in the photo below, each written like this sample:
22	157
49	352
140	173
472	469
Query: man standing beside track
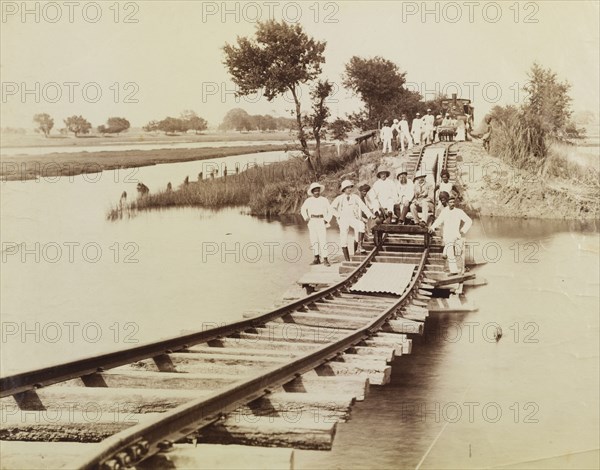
428	121
316	210
451	218
417	129
348	207
404	133
386	134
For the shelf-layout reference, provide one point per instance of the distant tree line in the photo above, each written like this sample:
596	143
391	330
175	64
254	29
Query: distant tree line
187	121
238	119
79	125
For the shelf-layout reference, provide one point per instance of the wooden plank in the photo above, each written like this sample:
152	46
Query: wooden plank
260	343
102	399
404	326
346	311
304	433
444	280
357	386
377	372
324	321
161	380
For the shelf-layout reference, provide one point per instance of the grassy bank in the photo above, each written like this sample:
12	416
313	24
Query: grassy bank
137	136
70	164
275	189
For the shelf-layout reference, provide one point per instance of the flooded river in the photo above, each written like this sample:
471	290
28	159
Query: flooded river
74	284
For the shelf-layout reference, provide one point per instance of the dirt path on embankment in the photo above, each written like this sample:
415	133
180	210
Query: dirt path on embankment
491	187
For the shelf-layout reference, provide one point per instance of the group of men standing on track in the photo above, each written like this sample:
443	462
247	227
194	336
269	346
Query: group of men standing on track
423	130
388	201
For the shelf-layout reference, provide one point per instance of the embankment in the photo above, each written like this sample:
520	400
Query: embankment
491	187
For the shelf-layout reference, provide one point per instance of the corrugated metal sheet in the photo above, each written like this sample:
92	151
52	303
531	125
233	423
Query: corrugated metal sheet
390	278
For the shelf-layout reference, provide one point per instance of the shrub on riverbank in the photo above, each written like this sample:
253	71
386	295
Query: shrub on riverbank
274	189
529	136
513	142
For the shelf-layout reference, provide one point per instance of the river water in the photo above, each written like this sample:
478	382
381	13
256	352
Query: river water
74	284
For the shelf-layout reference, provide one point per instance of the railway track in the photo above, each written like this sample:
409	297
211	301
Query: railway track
330	344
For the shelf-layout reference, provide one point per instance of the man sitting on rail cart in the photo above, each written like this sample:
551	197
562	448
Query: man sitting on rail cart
406	193
423	199
384	192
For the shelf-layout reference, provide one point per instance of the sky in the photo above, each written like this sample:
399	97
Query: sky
147	60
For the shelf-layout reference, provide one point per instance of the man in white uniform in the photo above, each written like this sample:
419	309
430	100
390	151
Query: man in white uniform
348	207
406	192
405	134
385	134
428	120
451	218
384	191
417	129
316	210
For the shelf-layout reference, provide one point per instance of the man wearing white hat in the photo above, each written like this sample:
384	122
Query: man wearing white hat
316	210
423	200
384	191
451	218
405	133
405	193
347	207
417	129
428	120
385	134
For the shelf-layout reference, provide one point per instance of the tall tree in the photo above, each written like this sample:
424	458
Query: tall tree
114	125
339	129
171	125
318	118
280	58
548	103
380	85
45	123
193	121
236	119
77	125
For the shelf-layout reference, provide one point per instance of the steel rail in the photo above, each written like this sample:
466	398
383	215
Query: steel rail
185	419
37	378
